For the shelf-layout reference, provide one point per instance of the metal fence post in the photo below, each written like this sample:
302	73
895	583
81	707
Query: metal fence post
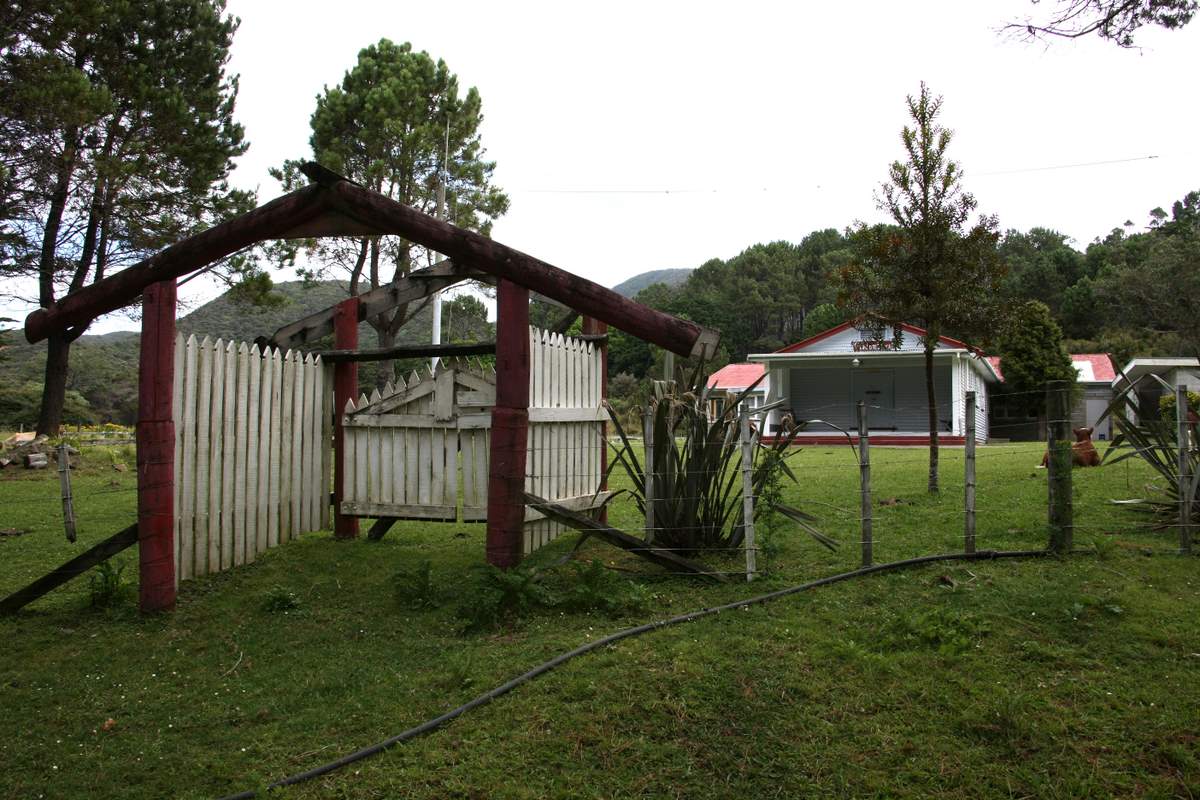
864	471
969	478
1184	478
1058	479
748	493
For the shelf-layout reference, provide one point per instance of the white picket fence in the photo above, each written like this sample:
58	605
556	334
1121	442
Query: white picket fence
420	449
566	421
252	451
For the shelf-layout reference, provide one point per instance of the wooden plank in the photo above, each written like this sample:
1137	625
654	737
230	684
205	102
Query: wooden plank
315	453
371	480
240	444
177	418
187	513
387	459
466	441
413	421
307	444
443	396
345	387
274	476
297	451
664	558
411	465
229	444
437	457
325	391
404	395
287	422
76	566
216	355
405	511
264	455
408	351
564	415
253	460
451	459
203	444
579	503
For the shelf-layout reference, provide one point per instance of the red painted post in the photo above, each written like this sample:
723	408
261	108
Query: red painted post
156	449
597	328
510	428
345	388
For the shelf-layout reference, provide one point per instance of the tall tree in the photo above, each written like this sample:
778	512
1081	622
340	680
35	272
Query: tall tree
928	267
398	125
117	137
1032	353
1114	20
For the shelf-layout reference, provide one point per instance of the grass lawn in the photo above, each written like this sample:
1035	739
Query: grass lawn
1034	678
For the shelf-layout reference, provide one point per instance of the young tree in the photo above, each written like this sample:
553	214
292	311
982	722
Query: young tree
927	268
397	124
117	136
1032	353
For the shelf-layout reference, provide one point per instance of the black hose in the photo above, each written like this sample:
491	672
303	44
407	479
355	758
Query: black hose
541	669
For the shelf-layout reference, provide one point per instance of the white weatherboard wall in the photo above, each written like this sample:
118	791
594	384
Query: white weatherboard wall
252	454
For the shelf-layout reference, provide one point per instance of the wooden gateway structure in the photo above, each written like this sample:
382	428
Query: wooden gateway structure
277	409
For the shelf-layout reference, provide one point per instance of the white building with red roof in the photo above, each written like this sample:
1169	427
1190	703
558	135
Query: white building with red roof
824	377
1096	376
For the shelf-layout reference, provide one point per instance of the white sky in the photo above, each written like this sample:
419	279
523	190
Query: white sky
763	121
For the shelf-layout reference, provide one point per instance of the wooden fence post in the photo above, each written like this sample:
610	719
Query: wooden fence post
156	449
345	389
1058	478
1184	477
648	471
64	480
510	428
595	327
748	493
864	471
969	478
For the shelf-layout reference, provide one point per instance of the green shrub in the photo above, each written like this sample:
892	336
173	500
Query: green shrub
597	589
1166	404
106	584
415	588
280	599
502	596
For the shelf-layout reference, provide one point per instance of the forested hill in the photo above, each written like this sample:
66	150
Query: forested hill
671	277
102	378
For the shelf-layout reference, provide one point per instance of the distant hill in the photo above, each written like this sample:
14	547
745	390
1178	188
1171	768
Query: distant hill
671	277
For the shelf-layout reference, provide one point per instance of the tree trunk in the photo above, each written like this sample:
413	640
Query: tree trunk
933	419
54	390
385	370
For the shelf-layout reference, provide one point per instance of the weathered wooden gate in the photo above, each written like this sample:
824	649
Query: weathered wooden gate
420	450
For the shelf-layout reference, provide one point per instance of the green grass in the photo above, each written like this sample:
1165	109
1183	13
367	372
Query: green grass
1046	678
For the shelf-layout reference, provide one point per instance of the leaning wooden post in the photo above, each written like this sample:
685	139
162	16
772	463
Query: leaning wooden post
595	327
1058	478
648	471
156	449
864	471
969	478
510	428
748	493
1185	478
345	389
64	480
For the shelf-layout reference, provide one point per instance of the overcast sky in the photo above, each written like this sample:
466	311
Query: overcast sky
638	136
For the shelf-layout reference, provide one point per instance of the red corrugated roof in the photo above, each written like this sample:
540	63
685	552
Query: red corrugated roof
735	376
1102	366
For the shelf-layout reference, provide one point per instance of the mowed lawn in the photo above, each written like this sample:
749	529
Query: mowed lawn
1021	678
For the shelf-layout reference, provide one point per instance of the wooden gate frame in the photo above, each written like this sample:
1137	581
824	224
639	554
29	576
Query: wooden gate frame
335	206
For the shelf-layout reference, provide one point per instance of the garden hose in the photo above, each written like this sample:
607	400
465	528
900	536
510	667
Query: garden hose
541	669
